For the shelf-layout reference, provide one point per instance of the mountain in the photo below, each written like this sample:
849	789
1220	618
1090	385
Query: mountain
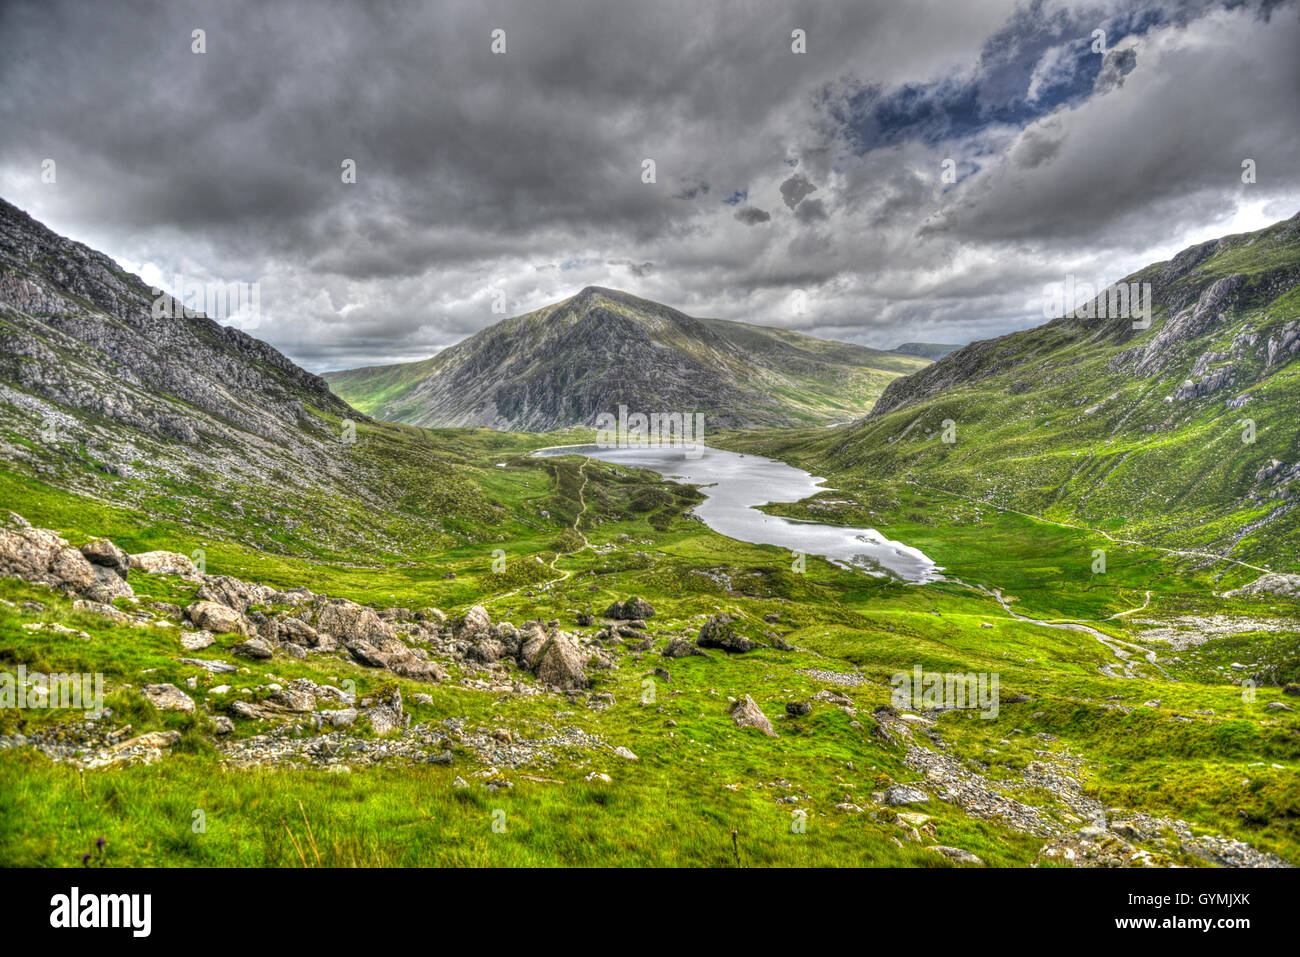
926	350
107	396
1185	433
565	364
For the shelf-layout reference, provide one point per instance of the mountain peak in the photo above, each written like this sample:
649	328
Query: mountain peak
566	363
589	294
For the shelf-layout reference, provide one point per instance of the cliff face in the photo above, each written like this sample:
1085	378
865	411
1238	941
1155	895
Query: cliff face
80	333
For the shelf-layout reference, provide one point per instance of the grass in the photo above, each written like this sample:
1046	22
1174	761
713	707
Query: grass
674	806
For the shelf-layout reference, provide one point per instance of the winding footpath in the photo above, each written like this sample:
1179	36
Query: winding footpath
586	544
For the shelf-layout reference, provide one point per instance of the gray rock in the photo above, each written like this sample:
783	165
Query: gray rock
897	795
168	697
747	714
630	610
719	631
254	648
560	664
218	618
103	553
475	625
166	563
960	855
383	710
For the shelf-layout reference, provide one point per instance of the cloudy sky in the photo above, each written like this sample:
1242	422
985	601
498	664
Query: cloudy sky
781	178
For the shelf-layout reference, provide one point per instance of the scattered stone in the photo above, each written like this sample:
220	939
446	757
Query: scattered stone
166	563
897	795
217	618
168	697
957	854
747	714
630	610
196	640
719	631
153	739
560	664
254	648
681	648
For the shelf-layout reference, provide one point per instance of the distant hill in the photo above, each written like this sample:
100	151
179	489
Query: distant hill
926	350
565	364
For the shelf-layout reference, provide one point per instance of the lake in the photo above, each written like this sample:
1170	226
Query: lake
733	484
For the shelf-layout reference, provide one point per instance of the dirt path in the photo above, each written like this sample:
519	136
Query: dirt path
586	544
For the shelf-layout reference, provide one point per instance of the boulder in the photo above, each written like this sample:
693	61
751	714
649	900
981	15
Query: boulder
108	585
958	854
367	654
43	557
298	632
348	622
342	718
508	636
383	709
217	618
166	563
411	666
720	632
196	640
531	640
104	554
631	609
897	795
168	697
486	651
254	648
299	696
681	648
475	625
102	610
747	714
151	739
560	663
233	593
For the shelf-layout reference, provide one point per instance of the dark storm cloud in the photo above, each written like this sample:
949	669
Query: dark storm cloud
752	215
520	175
794	189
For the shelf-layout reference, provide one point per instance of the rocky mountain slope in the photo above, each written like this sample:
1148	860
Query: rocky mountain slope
1184	433
196	422
571	361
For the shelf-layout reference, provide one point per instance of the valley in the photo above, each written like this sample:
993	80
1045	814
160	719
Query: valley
327	639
